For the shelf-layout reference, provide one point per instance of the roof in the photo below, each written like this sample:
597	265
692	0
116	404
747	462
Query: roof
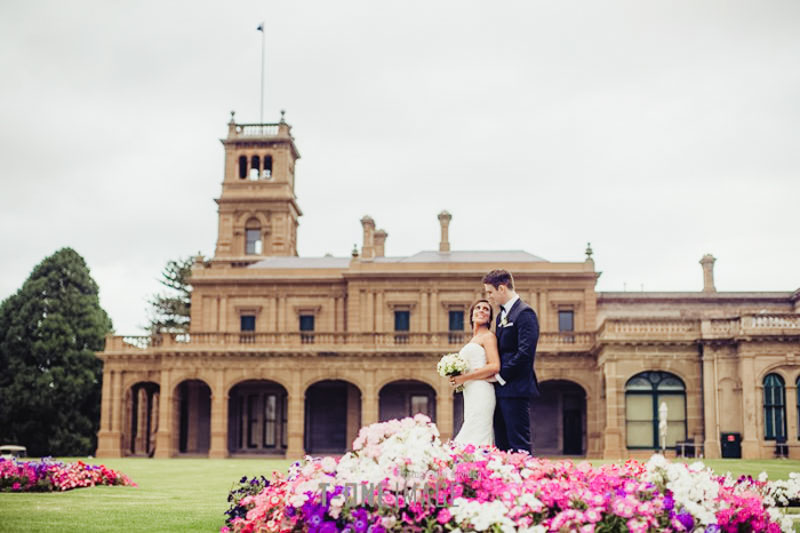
501	256
302	262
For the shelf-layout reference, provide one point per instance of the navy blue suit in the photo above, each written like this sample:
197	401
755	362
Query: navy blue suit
516	342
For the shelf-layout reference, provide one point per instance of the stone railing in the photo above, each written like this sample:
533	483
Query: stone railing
633	327
257	130
775	321
321	341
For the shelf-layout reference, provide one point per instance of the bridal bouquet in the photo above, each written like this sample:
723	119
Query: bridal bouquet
452	364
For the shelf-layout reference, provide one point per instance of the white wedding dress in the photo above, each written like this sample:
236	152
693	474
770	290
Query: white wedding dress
479	401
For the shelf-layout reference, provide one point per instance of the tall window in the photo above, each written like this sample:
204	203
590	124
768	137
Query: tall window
255	166
253	237
306	329
566	325
242	167
402	323
644	393
456	327
267	172
774	408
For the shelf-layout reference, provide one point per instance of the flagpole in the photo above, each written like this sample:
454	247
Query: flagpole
263	39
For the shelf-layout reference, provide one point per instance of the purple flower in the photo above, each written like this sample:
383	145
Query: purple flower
669	503
360	521
713	528
686	520
328	527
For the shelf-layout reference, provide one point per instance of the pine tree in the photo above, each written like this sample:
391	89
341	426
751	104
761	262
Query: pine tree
170	311
50	382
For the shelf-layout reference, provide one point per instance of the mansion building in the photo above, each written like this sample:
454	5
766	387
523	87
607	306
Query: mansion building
291	355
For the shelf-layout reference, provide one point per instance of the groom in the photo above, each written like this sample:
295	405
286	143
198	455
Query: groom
517	331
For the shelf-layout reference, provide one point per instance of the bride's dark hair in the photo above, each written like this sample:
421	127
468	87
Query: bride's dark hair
472	308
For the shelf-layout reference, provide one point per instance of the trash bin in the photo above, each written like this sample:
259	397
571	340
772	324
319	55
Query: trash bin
731	444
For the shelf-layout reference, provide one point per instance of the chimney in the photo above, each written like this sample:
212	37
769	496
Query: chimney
444	221
708	273
380	240
368	247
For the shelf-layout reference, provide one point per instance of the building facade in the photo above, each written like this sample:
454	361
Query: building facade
290	355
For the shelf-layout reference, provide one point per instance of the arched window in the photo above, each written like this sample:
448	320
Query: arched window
644	393
267	172
255	166
774	408
253	237
242	167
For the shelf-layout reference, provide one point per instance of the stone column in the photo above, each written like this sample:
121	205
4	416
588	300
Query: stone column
613	442
164	438
219	418
444	410
106	437
750	445
295	447
369	401
711	445
791	417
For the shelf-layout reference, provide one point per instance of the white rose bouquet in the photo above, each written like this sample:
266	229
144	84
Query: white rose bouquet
452	364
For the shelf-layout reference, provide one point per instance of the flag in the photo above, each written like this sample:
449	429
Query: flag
261	27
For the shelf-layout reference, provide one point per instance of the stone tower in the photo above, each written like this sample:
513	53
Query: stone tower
258	209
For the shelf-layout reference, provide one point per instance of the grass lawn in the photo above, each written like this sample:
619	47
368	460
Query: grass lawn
190	495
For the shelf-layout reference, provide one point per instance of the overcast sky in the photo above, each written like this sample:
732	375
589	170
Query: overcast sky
659	131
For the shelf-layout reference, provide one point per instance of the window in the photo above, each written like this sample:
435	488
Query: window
419	404
248	322
247	325
456	327
267	172
774	408
566	321
644	393
402	322
253	237
270	420
306	326
242	167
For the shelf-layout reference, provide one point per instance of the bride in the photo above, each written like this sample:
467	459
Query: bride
484	362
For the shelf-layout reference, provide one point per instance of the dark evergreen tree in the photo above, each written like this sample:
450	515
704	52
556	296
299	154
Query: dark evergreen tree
169	311
50	379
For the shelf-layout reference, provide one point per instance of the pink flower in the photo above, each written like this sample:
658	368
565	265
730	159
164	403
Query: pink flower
444	516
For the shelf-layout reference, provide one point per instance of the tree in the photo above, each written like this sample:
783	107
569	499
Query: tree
50	382
170	311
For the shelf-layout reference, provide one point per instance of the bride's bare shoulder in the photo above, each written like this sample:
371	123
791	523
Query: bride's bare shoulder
488	339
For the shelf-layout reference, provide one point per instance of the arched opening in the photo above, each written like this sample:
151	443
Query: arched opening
242	167
558	419
252	230
403	398
332	416
267	172
458	412
257	414
194	420
255	168
774	408
142	416
644	394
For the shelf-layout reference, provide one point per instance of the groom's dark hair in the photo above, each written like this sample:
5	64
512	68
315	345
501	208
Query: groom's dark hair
498	277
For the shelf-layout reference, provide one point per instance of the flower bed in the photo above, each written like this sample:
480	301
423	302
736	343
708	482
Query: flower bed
49	475
400	477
